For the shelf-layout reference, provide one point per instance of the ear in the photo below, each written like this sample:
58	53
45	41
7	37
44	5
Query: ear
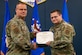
61	15
16	10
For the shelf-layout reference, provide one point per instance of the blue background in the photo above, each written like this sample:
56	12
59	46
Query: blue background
74	11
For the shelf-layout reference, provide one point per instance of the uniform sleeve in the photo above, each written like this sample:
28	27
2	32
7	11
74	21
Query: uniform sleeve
32	35
52	29
67	34
66	37
18	36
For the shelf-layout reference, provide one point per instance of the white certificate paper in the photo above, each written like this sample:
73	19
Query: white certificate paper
43	37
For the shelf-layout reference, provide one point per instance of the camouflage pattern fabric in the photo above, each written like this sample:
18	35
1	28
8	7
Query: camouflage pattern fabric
18	37
63	39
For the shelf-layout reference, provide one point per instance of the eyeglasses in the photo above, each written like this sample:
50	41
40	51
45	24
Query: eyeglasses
54	17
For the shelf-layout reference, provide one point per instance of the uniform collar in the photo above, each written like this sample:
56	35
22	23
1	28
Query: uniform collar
17	18
57	25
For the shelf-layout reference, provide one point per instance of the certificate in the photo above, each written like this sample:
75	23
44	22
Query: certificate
43	37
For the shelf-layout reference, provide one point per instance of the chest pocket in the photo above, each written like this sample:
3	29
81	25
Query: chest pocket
57	33
22	26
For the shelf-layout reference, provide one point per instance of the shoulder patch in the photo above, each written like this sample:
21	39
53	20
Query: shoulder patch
15	29
67	31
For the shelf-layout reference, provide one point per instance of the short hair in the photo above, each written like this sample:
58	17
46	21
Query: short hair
56	10
20	3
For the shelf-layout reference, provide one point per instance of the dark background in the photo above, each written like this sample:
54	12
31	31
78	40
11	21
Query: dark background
74	11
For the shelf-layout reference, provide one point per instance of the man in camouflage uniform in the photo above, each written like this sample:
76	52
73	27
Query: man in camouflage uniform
63	35
18	36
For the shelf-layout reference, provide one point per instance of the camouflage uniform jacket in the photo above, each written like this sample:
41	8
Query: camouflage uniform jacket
18	37
63	39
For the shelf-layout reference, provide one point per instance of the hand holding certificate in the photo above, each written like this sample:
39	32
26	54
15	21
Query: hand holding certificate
43	37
